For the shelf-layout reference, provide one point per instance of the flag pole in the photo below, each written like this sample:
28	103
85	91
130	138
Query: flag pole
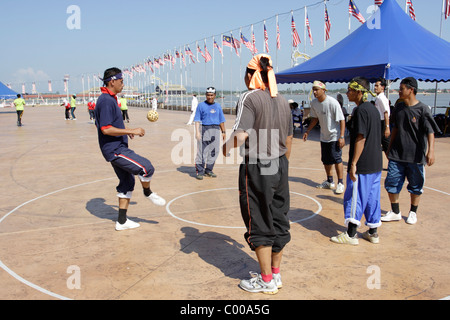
324	26
440	36
292	43
349	22
206	80
276	52
304	32
231	70
240	58
213	63
221	67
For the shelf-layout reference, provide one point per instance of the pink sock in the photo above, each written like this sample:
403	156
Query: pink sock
266	277
275	270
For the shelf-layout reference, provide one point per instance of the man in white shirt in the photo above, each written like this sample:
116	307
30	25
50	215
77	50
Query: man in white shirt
327	111
382	104
194	105
154	103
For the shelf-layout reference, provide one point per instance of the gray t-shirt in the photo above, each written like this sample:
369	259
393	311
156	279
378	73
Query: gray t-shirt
268	122
329	113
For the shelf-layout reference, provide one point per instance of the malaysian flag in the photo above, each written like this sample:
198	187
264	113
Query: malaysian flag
218	47
327	25
266	39
295	37
236	44
278	37
182	58
189	52
447	9
378	2
353	10
254	41
226	41
247	43
200	50
127	72
308	27
207	55
139	68
411	9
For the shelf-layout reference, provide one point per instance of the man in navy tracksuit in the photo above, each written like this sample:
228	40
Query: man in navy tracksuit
113	141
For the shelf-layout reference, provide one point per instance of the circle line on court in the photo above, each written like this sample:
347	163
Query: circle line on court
169	211
55	295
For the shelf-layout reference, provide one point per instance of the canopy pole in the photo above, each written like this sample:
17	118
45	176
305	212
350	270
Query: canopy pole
440	36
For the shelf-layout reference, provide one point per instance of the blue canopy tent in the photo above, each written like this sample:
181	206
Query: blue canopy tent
6	93
389	45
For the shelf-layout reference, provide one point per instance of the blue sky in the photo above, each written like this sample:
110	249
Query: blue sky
38	46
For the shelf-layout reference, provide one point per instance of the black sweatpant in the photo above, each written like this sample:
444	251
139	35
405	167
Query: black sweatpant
264	199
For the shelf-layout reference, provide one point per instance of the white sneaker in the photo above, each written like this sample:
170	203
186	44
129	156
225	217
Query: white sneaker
340	188
326	185
277	279
157	200
412	218
391	216
256	284
127	225
344	238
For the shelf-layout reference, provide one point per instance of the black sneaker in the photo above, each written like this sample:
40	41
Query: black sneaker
199	177
211	174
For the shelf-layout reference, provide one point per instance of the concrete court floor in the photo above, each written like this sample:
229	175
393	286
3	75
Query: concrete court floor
58	208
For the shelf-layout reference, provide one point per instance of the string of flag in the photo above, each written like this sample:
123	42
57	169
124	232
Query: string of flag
184	52
235	43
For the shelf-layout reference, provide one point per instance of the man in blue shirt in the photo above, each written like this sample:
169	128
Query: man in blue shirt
113	141
209	124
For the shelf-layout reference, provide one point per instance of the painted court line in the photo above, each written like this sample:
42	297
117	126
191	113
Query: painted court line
55	295
230	227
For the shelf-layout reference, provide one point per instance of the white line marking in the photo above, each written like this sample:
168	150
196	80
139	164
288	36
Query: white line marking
229	227
34	286
15	275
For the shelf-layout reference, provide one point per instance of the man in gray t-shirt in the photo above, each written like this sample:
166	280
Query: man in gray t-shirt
264	129
268	131
327	112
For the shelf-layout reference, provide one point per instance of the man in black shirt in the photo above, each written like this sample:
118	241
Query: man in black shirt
411	147
362	195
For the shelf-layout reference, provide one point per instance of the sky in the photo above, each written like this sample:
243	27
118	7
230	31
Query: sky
46	40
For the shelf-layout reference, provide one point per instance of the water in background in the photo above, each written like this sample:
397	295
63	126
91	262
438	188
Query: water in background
442	101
